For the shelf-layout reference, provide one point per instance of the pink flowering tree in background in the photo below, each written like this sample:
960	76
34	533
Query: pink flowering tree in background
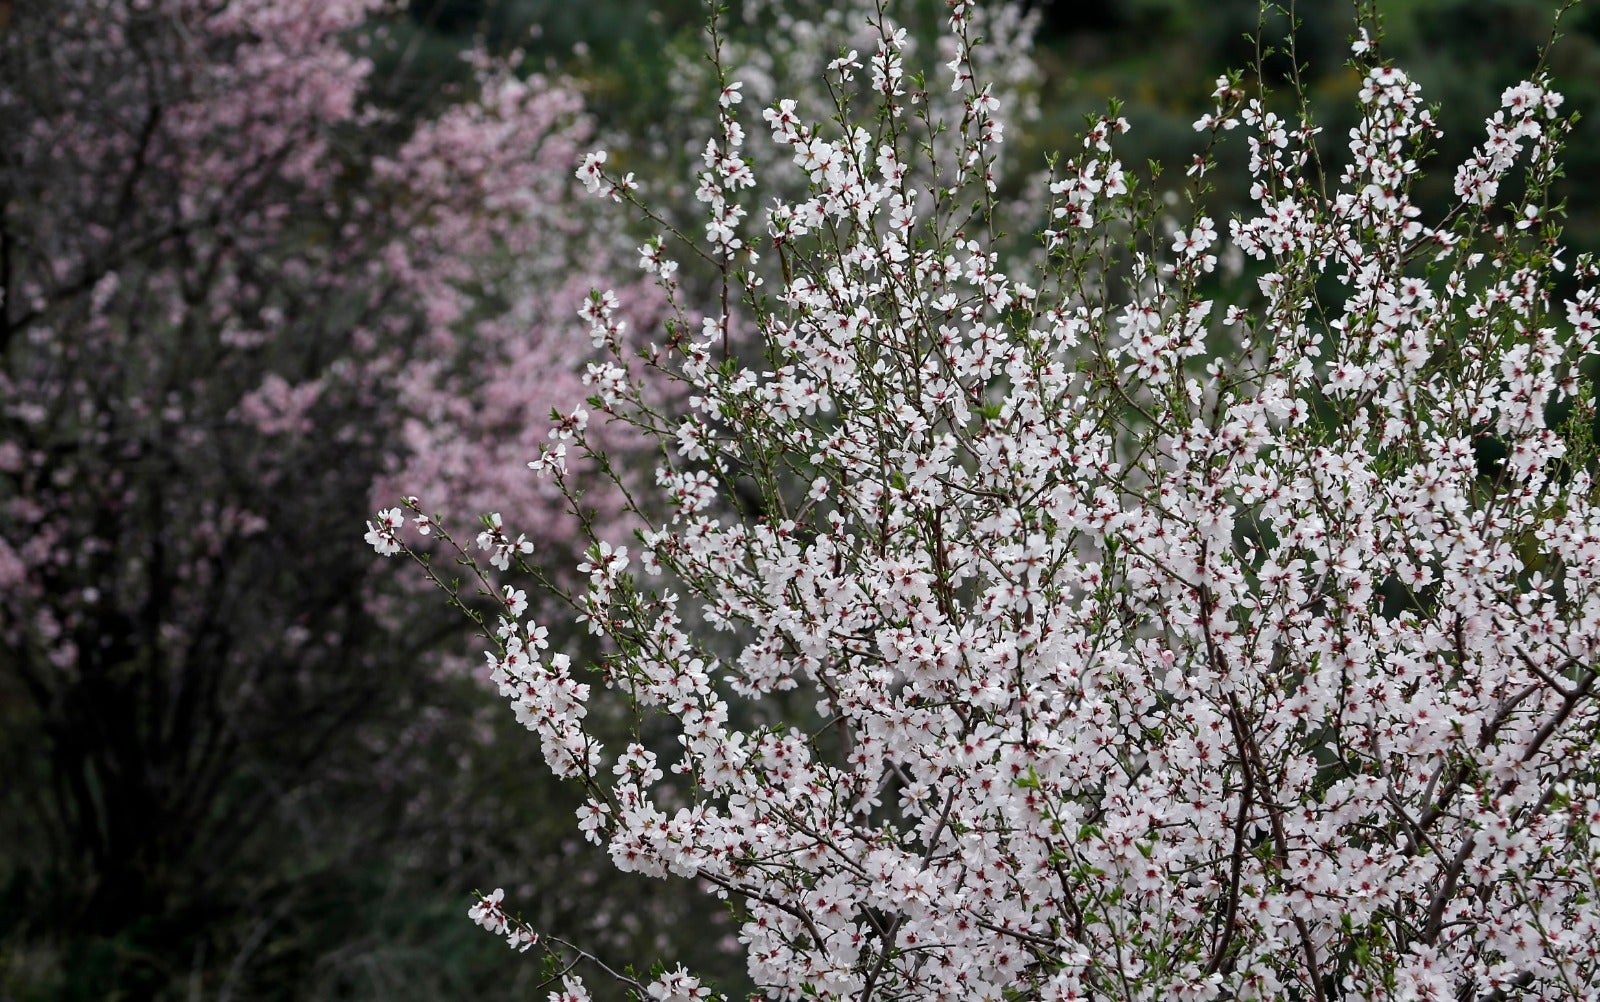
1095	627
241	300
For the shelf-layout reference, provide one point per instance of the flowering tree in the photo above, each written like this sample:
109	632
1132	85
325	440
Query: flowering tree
241	299
1092	627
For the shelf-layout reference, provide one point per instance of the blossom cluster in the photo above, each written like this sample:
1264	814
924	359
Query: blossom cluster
1077	630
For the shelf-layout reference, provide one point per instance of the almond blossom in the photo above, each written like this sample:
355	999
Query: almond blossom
1065	631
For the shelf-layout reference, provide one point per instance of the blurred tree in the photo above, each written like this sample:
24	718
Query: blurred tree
240	300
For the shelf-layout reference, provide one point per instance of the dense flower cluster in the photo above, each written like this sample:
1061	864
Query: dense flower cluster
1087	630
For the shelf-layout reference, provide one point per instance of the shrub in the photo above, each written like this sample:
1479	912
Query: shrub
1094	624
